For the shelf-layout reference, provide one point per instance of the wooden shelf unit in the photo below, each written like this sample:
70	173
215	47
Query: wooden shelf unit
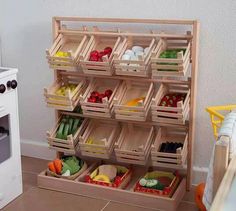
78	186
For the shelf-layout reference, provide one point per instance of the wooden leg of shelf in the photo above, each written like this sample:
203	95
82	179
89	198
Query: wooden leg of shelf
194	71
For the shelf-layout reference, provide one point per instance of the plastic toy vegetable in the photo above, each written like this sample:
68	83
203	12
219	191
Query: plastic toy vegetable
58	165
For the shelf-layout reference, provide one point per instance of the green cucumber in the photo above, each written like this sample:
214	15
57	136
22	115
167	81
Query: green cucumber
71	121
143	182
66	131
60	131
75	126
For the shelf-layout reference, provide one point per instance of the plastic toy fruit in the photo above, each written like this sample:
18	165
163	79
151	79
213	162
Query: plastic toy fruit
96	97
135	102
198	196
102	178
62	54
97	56
171	99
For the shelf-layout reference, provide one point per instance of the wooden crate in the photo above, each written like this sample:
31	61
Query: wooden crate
171	66
99	42
104	109
122	183
70	44
133	90
99	129
61	145
139	67
174	115
169	160
134	143
71	99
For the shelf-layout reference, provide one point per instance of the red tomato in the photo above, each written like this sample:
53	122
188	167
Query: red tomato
107	50
94	53
92	99
94	94
108	93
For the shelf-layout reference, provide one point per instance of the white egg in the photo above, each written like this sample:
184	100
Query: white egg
129	52
137	48
139	55
126	57
134	58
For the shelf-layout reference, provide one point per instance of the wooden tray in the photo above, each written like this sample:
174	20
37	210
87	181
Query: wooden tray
167	191
61	145
71	99
168	66
122	184
134	68
134	143
174	115
99	129
131	90
79	187
99	42
104	109
72	177
169	160
72	45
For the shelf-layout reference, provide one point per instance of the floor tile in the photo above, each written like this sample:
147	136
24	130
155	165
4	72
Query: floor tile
37	199
34	165
114	206
29	181
187	206
189	196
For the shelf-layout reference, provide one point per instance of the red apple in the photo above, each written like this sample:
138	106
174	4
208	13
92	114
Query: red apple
94	53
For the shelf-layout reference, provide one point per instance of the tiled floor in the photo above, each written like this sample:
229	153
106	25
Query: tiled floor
36	199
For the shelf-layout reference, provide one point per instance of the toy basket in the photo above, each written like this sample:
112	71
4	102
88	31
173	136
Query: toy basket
217	114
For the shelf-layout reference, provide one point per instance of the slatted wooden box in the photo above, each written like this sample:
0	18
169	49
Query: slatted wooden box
132	101
104	109
99	42
139	67
134	144
70	144
171	66
174	115
170	160
70	47
98	130
70	100
121	183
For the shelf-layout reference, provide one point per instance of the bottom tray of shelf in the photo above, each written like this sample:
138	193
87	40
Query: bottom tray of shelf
80	187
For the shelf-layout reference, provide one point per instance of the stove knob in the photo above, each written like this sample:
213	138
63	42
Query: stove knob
13	84
9	84
2	88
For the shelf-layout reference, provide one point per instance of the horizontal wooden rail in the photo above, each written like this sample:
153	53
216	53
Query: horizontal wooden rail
125	20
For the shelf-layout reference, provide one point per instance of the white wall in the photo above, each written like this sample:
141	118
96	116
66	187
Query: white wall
25	30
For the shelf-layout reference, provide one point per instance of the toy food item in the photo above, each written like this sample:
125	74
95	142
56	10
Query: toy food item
96	97
68	126
171	99
135	102
109	170
102	177
198	196
170	147
58	165
171	54
65	166
63	89
151	183
62	54
97	56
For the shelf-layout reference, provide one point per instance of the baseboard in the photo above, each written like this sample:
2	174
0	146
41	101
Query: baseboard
39	149
36	149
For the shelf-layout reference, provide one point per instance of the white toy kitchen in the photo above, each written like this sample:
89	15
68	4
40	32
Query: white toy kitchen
10	160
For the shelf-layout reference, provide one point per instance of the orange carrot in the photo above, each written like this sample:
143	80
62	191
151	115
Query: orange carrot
51	167
58	165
